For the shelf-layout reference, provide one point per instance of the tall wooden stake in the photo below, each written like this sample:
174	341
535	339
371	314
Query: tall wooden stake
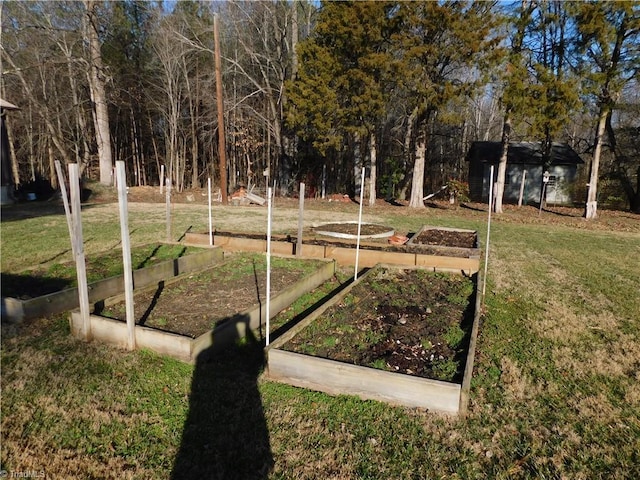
126	254
210	220
300	221
355	275
168	206
486	248
78	249
65	202
268	306
524	176
220	103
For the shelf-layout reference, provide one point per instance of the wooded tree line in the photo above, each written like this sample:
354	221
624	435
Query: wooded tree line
316	92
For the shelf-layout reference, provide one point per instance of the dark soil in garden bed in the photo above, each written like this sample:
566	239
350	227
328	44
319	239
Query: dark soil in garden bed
409	321
348	228
376	244
194	304
449	238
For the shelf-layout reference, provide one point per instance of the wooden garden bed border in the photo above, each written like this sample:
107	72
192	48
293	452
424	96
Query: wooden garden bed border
15	310
225	333
343	255
335	377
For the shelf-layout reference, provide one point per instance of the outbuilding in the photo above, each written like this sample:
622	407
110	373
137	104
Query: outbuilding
562	168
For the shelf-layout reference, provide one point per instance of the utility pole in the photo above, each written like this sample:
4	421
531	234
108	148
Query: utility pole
221	142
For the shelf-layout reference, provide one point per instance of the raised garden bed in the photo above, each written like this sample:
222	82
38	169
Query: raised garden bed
350	230
343	251
447	241
47	291
401	335
213	308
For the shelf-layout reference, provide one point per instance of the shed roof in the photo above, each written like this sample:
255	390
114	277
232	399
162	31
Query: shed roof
523	153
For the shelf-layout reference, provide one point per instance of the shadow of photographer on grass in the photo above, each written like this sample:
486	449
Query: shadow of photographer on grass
225	435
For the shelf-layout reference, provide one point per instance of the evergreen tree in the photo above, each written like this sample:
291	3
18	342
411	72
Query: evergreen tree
437	44
339	93
610	47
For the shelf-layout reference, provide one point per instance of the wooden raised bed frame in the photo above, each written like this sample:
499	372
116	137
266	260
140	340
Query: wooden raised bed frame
369	256
186	348
17	310
334	377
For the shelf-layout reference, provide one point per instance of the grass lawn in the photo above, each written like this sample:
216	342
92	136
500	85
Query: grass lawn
555	394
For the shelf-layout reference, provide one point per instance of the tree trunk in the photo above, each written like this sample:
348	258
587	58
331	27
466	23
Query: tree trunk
98	95
357	167
634	202
591	208
502	165
417	183
14	159
408	136
373	171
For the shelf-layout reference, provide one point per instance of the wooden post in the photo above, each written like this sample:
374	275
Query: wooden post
524	176
221	141
300	221
126	255
355	275
78	249
324	181
210	220
168	205
65	202
486	248
268	306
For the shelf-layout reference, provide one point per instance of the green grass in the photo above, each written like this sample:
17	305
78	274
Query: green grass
53	276
555	393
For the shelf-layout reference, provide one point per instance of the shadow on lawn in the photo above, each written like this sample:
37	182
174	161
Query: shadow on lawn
225	435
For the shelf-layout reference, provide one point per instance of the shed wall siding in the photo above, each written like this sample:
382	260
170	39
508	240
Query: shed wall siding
557	193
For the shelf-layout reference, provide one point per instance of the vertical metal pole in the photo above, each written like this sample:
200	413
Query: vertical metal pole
268	313
126	254
300	221
355	275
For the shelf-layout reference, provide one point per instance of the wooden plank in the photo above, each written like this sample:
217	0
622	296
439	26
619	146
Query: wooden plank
164	343
255	198
126	254
468	368
468	265
314	251
367	383
67	299
368	258
282	248
238	244
78	249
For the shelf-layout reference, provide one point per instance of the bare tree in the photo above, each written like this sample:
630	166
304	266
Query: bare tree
97	80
